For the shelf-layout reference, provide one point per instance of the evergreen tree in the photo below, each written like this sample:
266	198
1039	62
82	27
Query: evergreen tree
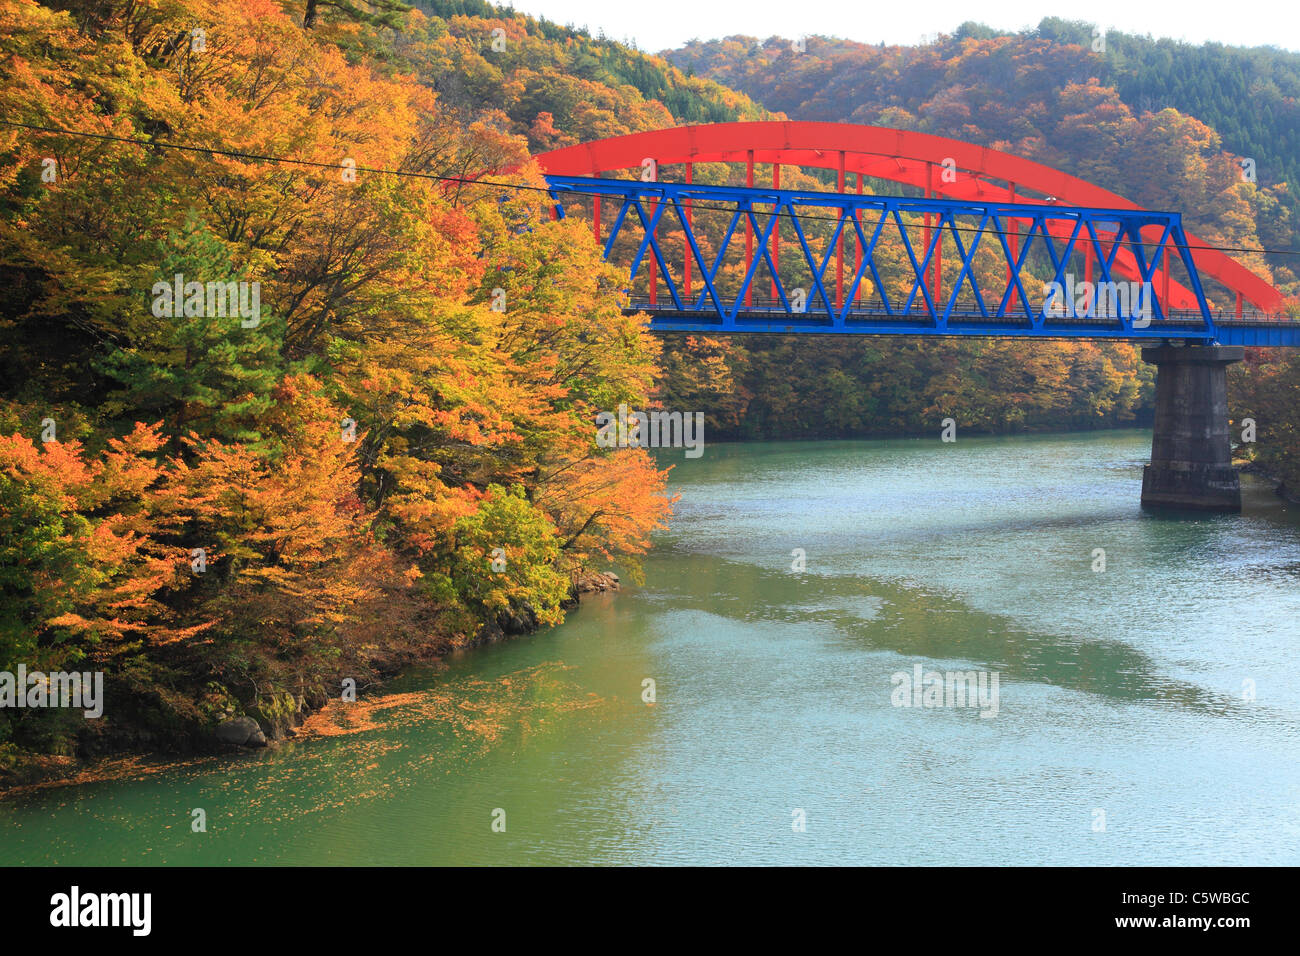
200	372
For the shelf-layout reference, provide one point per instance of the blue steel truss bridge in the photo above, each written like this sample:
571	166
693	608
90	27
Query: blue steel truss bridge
1100	273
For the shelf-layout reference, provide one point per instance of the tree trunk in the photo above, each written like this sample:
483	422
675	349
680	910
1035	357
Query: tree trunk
309	18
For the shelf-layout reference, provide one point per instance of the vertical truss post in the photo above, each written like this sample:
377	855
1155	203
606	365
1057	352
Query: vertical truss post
857	245
938	258
1014	228
929	194
839	241
652	273
1164	282
686	239
1087	273
749	230
776	230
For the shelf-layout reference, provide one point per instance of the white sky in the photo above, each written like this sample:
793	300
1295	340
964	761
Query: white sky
659	24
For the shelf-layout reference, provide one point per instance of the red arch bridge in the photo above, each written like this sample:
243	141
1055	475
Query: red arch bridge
992	245
986	243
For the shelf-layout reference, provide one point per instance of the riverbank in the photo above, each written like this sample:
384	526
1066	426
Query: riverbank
117	752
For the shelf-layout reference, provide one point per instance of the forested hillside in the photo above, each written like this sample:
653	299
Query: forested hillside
1166	124
1163	123
560	86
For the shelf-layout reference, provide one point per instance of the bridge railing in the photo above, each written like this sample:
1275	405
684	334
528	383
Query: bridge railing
1126	257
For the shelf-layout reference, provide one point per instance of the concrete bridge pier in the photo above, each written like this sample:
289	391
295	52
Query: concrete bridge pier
1191	450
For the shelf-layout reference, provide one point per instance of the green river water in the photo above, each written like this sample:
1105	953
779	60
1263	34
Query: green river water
1124	692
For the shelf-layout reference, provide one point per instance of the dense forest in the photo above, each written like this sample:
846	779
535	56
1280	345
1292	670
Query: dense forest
379	445
274	416
558	85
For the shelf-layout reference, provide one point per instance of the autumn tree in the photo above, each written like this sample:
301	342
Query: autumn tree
387	13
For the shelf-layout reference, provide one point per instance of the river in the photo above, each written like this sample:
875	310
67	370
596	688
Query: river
1146	713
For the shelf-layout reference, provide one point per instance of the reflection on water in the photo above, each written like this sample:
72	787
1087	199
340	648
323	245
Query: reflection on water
1126	690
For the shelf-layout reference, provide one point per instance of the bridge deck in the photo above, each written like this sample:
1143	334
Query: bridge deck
873	319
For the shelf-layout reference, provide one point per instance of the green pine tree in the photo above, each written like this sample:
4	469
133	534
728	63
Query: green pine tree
211	374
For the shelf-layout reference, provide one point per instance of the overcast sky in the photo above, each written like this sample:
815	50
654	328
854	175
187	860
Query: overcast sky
658	24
